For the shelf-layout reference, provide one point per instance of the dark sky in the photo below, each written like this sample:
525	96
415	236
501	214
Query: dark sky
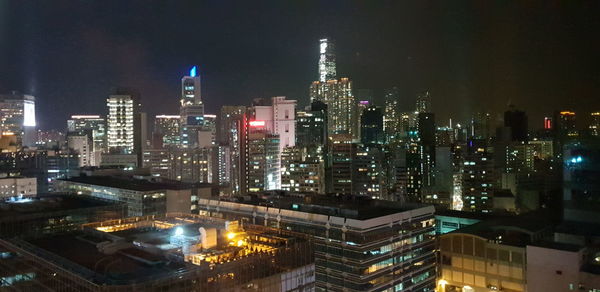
476	55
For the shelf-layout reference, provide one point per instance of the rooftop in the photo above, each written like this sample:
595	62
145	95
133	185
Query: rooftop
141	249
354	207
129	183
518	230
11	209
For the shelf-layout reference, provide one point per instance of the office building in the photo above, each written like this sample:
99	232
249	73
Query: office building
191	165
83	146
262	160
391	114
341	105
17	187
368	175
192	109
371	126
490	255
93	126
127	126
231	132
477	179
158	162
361	244
311	125
341	151
279	118
143	196
303	169
166	132
17	116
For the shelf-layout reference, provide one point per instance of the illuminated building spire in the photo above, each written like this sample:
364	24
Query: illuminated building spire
326	60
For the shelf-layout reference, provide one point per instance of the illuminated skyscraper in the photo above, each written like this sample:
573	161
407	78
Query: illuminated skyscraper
391	114
595	124
423	102
17	117
341	105
192	109
122	109
326	60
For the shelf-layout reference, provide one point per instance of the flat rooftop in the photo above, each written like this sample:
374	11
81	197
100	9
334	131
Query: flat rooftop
122	267
514	230
127	183
46	203
354	207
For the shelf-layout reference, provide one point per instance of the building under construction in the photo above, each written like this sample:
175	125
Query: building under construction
172	252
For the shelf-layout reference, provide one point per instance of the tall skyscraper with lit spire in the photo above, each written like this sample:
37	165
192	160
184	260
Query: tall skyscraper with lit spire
326	60
336	94
192	109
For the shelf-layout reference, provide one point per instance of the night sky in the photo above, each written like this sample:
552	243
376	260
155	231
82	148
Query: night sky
477	55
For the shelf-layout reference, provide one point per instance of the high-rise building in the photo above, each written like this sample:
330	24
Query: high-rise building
192	109
303	169
341	105
368	172
311	125
564	124
124	123
83	145
231	133
595	124
481	126
17	116
262	159
279	119
478	180
166	132
94	124
516	120
341	151
423	102
391	114
426	133
371	126
326	60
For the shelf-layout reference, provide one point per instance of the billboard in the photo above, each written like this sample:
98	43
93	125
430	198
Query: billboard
28	113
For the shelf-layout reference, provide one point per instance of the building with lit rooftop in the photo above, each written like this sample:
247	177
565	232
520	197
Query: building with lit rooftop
361	244
173	252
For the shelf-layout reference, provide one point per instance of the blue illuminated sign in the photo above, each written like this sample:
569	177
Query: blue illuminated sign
193	72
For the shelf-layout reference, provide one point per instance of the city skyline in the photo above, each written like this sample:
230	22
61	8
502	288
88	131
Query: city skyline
471	61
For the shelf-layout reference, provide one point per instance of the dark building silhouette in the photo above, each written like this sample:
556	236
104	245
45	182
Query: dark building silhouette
371	126
516	120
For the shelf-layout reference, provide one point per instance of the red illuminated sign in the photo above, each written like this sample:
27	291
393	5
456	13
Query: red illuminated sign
547	123
257	124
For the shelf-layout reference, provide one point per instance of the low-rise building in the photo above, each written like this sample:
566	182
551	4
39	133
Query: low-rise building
18	186
173	252
143	196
